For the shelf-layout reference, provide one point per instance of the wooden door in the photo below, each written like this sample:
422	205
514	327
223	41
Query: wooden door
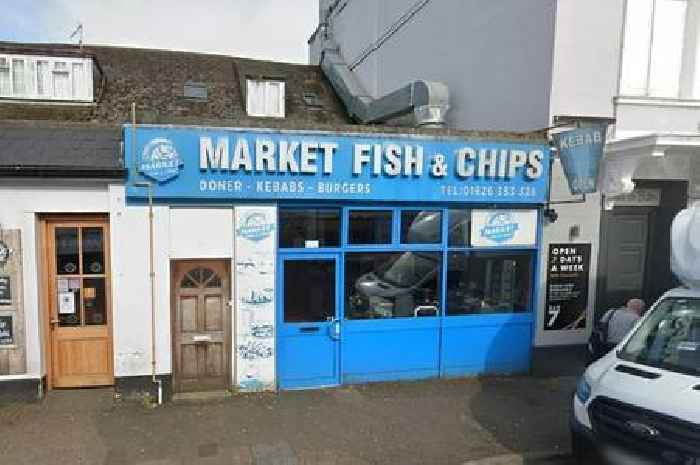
79	304
201	322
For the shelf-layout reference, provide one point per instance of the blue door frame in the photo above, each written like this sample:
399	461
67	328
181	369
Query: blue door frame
309	352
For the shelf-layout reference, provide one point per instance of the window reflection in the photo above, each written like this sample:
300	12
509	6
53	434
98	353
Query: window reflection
369	227
481	283
653	51
67	251
459	227
94	302
309	227
421	227
309	290
93	251
392	285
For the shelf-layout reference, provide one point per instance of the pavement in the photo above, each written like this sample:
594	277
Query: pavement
478	421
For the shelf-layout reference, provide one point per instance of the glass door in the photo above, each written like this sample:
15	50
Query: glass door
309	334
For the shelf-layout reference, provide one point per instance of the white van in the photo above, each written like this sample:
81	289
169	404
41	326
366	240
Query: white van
640	404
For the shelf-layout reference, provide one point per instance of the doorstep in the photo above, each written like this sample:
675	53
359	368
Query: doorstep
202	396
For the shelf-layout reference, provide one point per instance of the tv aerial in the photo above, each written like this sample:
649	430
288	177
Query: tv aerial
79	33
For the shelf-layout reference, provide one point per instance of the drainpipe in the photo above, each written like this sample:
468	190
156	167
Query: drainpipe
151	258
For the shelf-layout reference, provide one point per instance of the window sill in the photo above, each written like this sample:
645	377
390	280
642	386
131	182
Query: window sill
657	101
265	116
74	103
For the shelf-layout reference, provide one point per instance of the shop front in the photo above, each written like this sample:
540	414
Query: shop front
310	259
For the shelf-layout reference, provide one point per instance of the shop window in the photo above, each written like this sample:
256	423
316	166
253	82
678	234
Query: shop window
309	227
459	227
488	283
392	284
368	227
421	226
265	98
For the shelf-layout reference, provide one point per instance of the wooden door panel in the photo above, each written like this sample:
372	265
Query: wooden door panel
213	313
80	327
188	306
201	317
214	359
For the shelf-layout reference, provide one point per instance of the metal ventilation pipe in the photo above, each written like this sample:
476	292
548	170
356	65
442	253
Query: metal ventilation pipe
429	101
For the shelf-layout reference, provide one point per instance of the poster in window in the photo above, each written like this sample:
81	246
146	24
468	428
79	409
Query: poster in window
66	303
6	335
5	291
566	305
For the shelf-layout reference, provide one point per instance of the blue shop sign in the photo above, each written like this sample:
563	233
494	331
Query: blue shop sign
212	163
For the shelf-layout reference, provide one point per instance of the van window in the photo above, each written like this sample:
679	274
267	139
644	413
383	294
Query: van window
669	338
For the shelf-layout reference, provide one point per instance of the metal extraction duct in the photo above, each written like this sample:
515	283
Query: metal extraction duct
429	101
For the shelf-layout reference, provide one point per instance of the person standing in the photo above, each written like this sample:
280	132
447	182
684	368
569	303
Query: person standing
614	326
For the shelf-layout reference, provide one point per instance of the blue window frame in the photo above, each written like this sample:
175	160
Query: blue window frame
444	230
386	340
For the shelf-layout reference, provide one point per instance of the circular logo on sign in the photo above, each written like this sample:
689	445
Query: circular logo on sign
95	267
160	160
500	227
70	267
256	227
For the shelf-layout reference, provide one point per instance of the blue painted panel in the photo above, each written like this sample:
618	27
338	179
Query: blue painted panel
385	350
196	163
307	360
486	344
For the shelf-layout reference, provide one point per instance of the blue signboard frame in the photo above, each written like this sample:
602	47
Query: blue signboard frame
200	163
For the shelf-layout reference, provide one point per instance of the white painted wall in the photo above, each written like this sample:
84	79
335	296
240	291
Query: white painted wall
585	70
586	57
21	202
587	217
180	233
131	287
201	232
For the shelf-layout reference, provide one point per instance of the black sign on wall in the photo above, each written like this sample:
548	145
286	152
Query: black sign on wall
6	335
5	291
567	286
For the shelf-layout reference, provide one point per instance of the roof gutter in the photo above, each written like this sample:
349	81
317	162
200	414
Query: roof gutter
429	101
62	172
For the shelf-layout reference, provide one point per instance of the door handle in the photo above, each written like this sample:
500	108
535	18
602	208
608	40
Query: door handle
309	329
334	329
54	321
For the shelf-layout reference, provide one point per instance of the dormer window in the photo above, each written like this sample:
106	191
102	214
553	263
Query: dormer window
31	77
265	98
